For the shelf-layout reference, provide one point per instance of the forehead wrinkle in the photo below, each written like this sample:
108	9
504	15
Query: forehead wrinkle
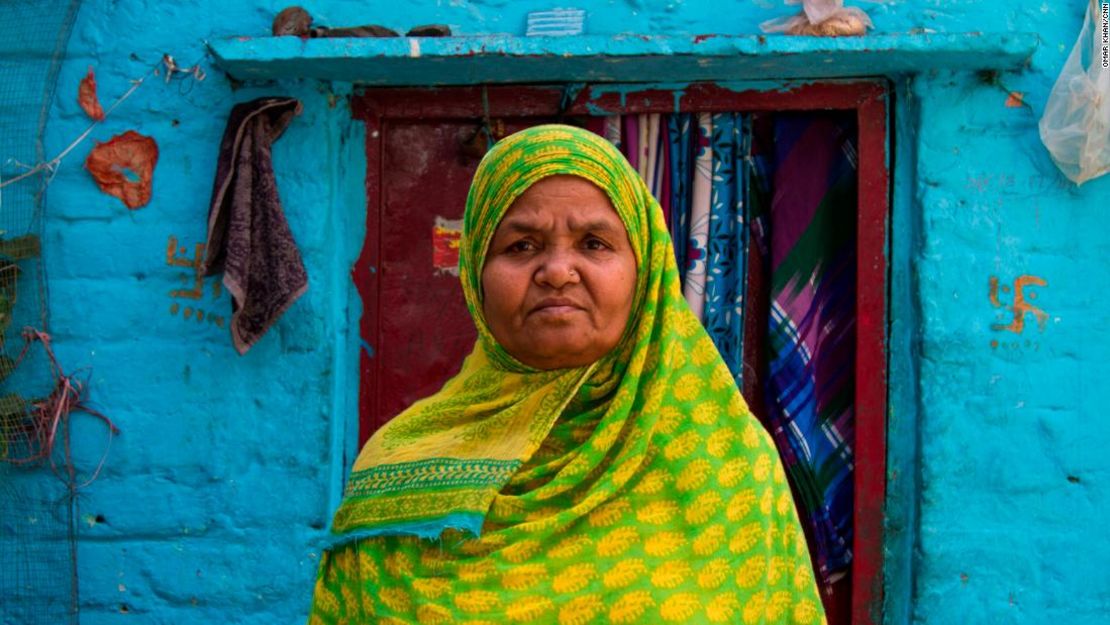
595	225
520	224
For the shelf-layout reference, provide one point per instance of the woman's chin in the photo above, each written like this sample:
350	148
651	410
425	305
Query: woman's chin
559	355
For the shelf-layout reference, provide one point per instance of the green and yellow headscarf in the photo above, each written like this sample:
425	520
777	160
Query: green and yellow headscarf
637	489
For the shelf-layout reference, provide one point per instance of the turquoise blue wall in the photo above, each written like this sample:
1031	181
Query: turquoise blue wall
213	498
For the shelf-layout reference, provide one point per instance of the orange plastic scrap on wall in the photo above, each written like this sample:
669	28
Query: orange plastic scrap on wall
123	167
86	97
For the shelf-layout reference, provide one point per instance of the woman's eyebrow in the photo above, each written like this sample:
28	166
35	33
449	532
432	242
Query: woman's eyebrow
521	226
597	225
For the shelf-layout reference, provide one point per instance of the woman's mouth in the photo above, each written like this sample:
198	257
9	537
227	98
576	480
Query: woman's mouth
555	307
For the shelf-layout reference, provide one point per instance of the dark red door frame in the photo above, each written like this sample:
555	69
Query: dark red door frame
364	275
867	98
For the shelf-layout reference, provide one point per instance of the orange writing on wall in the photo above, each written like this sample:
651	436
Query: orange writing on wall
175	257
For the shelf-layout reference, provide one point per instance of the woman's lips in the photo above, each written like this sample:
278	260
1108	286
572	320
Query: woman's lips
555	310
556	307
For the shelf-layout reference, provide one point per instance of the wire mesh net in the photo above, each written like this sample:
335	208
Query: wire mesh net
37	580
33	35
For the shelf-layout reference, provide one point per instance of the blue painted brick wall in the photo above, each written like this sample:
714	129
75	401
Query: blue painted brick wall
214	497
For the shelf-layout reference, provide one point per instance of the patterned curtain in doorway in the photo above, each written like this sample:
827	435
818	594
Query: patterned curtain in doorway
762	210
803	200
694	164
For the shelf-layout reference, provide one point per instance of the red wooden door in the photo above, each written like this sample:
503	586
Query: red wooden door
423	327
415	325
416	329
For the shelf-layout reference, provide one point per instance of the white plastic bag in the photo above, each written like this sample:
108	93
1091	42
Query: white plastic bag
826	18
1075	126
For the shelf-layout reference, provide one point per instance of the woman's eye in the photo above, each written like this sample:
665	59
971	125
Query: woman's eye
596	244
521	246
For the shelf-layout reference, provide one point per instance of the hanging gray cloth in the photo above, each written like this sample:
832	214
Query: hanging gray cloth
248	237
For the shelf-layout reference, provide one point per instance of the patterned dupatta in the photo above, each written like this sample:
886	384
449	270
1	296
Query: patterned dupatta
639	489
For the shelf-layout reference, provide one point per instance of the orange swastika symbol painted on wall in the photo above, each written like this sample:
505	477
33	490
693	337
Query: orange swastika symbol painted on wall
1020	305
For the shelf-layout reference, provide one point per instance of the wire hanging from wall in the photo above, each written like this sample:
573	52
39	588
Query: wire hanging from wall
170	69
51	414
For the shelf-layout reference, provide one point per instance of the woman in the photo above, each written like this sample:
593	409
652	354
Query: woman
593	461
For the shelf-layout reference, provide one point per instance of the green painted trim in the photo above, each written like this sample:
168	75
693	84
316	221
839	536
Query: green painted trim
631	58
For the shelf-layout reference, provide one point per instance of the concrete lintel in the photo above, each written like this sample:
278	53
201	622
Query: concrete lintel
626	58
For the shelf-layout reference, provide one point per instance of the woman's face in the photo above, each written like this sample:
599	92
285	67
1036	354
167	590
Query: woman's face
559	275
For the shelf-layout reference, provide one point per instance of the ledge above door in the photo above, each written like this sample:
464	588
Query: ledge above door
486	59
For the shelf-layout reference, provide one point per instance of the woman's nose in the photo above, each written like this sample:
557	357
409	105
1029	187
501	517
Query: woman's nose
557	270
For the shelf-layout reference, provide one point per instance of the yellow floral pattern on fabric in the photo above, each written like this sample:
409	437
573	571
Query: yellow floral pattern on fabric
637	490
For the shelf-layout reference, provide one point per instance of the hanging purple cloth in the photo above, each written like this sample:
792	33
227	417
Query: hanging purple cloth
630	139
663	170
248	237
810	245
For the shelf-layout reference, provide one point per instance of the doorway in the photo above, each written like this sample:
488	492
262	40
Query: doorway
422	148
